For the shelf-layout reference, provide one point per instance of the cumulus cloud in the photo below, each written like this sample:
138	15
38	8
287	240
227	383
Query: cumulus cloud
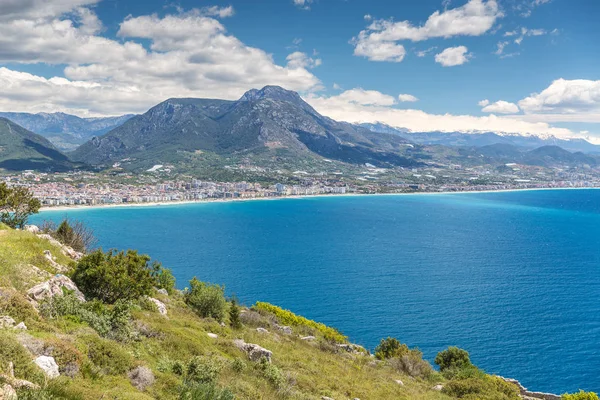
349	107
190	54
303	4
407	98
499	107
572	97
34	9
423	53
453	56
483	103
379	42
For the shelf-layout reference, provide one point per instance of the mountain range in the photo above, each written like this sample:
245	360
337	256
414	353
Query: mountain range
21	149
65	131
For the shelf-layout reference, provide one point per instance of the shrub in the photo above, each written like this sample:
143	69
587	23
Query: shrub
205	391
238	365
108	356
163	278
580	396
287	317
203	370
113	276
17	204
486	387
412	364
234	315
389	348
207	300
453	357
72	233
12	350
271	373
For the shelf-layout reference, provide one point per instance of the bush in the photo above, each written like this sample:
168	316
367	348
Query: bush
163	278
486	387
580	396
287	317
271	373
71	233
453	357
206	391
12	350
238	365
389	348
113	276
17	205
203	370
108	356
234	315
412	364
207	300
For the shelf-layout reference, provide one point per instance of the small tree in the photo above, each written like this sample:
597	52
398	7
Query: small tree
207	300
453	357
389	348
581	395
234	314
163	278
113	276
17	205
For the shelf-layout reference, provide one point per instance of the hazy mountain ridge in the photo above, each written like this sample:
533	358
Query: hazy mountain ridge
65	131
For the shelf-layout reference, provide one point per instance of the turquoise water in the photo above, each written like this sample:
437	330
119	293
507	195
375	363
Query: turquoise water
512	277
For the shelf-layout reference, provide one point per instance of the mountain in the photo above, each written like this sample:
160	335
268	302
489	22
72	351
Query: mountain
271	122
484	139
65	131
21	149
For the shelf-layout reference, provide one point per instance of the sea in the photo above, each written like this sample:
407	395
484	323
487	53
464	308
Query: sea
512	277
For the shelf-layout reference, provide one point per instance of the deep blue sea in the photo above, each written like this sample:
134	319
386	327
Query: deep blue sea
514	277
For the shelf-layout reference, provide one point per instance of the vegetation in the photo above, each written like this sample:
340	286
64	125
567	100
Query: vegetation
581	396
17	204
207	300
234	314
287	317
452	358
389	348
72	233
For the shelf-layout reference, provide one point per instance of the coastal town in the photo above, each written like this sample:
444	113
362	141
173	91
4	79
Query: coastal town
79	188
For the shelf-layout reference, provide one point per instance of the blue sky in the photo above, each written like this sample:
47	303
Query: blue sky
515	66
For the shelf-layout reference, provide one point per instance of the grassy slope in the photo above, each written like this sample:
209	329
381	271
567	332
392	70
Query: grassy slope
313	371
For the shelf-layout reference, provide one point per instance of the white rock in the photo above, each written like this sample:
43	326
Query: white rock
21	326
212	335
162	308
261	330
399	382
163	292
438	387
48	256
7	322
7	392
254	351
326	398
32	228
48	365
308	338
285	329
53	287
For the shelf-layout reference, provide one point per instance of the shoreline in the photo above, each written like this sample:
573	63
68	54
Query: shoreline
293	197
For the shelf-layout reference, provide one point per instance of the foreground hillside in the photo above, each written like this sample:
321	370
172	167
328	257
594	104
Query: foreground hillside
186	345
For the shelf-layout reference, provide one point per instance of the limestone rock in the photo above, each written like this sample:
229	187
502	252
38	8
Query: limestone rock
48	365
399	382
352	348
261	330
163	292
254	351
212	335
53	287
21	326
48	256
7	322
66	250
285	329
308	338
326	398
162	308
32	228
7	392
438	387
141	377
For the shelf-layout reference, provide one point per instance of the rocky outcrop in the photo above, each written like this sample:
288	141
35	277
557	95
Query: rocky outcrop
7	392
352	348
526	394
51	259
254	351
7	322
285	329
54	287
66	250
31	228
261	330
162	308
48	365
141	377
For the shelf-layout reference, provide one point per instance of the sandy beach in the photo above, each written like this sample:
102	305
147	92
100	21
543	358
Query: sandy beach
207	201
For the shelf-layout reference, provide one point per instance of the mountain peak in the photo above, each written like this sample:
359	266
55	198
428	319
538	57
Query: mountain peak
271	92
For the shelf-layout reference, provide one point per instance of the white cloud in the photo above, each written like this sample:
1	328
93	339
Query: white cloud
483	103
216	11
363	97
379	42
368	17
407	98
345	107
191	54
303	4
500	107
500	48
423	53
34	9
336	86
453	56
300	60
574	97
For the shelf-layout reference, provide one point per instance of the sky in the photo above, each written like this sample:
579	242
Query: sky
510	66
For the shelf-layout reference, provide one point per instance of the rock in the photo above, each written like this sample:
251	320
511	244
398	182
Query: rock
54	287
21	326
18	383
285	329
212	335
7	322
254	351
525	393
71	369
326	398
50	239
162	308
7	392
352	348
66	250
31	228
48	256
141	377
438	387
48	365
308	338
163	292
399	382
261	330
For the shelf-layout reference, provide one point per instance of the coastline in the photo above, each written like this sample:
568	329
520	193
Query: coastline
294	197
